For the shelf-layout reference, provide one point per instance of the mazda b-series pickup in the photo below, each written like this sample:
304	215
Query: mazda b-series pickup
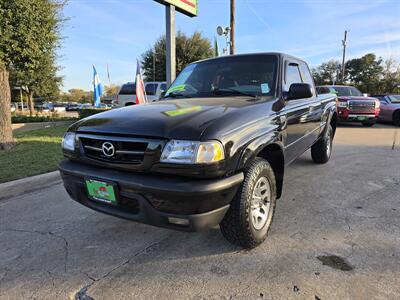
212	151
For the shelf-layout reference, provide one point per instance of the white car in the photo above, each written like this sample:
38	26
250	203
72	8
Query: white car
127	94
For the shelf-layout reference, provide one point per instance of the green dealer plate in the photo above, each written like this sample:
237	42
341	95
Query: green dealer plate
101	191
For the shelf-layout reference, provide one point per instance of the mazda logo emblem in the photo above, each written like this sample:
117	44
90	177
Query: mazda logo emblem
108	149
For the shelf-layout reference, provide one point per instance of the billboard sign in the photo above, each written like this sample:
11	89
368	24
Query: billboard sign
187	7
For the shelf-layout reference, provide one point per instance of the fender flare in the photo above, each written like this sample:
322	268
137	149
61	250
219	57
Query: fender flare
254	147
270	147
329	113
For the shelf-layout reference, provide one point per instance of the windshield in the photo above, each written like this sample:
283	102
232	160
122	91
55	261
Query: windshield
253	75
394	98
347	91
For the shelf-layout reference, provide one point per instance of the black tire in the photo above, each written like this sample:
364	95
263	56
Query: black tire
321	150
396	118
368	124
237	226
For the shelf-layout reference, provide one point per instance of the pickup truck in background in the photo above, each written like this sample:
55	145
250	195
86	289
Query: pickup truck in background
212	151
352	105
127	93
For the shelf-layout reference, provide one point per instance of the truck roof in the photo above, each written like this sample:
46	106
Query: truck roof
279	54
333	85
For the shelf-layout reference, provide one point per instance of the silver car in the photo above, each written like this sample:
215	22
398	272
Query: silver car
390	108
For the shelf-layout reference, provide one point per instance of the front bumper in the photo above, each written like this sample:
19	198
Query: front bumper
159	200
350	117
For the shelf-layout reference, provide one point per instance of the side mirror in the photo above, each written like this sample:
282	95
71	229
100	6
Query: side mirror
299	91
162	95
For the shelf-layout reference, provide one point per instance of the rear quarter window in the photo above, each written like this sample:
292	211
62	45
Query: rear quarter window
151	88
128	89
307	77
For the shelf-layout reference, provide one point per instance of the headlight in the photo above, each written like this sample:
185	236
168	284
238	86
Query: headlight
377	104
209	152
192	152
68	141
342	104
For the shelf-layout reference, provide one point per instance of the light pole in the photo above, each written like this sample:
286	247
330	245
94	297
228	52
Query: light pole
225	31
232	28
170	43
344	43
154	64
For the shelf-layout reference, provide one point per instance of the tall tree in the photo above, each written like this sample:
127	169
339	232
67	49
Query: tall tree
111	90
188	49
77	95
30	32
327	73
365	72
390	77
6	137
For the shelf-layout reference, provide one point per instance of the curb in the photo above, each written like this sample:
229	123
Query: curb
21	127
29	184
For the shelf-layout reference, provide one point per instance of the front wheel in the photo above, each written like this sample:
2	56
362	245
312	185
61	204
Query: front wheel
396	118
321	150
249	217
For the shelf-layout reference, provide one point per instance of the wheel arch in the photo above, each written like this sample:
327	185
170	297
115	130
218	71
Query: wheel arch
333	122
273	153
270	148
397	111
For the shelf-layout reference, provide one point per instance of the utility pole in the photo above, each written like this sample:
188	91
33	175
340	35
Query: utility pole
171	43
232	27
108	75
344	43
154	64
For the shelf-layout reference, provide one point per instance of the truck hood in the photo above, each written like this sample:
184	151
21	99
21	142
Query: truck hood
359	98
173	119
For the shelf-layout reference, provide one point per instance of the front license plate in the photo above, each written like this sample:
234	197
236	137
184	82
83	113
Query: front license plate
101	191
361	118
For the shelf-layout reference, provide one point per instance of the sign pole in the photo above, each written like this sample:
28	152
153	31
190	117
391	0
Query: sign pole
170	43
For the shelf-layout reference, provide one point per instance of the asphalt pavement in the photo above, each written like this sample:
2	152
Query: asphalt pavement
335	235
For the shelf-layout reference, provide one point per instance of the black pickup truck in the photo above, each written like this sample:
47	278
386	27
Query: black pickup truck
212	151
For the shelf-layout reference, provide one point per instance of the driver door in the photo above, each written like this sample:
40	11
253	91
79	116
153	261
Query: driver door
299	114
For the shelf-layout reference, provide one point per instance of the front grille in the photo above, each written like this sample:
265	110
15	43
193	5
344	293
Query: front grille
126	151
362	106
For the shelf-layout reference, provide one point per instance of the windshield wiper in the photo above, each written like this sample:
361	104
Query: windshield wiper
233	92
176	95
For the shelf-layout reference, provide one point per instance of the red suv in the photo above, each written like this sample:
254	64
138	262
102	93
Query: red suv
352	105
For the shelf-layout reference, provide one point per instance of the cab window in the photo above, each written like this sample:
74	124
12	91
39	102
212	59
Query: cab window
293	75
323	90
151	89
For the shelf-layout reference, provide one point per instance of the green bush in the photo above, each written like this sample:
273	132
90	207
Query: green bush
86	112
37	119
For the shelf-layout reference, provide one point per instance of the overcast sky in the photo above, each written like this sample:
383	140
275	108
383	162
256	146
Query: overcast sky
117	32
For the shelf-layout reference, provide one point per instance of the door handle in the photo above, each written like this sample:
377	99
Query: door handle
283	121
